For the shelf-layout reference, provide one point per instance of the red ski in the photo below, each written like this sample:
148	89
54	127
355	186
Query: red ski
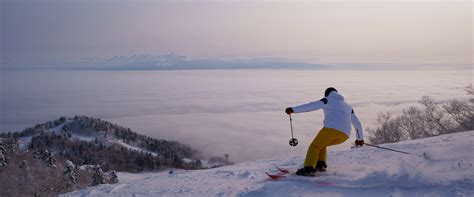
283	170
284	173
275	176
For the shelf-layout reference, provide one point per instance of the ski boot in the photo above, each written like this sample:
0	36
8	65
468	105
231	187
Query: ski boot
320	166
306	171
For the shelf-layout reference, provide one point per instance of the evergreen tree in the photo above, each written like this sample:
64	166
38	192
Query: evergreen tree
98	176
49	159
2	149
70	174
37	154
3	158
113	177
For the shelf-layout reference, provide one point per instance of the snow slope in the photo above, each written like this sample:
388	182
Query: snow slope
88	136
23	142
121	143
364	171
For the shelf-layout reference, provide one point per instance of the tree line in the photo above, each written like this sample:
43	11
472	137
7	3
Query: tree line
431	119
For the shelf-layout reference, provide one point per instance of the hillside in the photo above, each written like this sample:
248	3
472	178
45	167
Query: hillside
364	171
85	140
66	154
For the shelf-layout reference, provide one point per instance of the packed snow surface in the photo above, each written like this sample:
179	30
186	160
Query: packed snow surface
365	171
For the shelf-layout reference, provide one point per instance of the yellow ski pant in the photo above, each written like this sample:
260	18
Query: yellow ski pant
317	150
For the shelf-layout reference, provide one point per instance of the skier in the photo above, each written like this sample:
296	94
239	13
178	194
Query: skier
338	116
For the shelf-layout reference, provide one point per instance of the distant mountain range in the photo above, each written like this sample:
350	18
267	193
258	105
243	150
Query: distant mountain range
175	61
178	62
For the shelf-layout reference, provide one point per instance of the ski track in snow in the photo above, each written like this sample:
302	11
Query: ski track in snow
364	171
121	143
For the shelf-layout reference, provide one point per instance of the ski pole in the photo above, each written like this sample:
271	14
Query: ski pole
293	141
388	149
291	126
398	151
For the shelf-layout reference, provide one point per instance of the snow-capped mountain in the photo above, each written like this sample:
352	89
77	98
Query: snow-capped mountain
174	61
365	171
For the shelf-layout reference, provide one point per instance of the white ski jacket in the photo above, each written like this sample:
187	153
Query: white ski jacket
337	114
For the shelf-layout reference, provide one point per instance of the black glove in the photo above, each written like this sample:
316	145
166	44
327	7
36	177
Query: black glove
289	110
359	142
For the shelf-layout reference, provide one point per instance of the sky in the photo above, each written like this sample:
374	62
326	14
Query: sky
329	32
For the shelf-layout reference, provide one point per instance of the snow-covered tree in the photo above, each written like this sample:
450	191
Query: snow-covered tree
49	159
98	176
3	158
37	155
2	149
70	173
113	177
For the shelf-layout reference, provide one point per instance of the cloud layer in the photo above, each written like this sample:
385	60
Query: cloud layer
239	112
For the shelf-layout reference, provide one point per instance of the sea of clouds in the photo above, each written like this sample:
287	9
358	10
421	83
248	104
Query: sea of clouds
239	112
